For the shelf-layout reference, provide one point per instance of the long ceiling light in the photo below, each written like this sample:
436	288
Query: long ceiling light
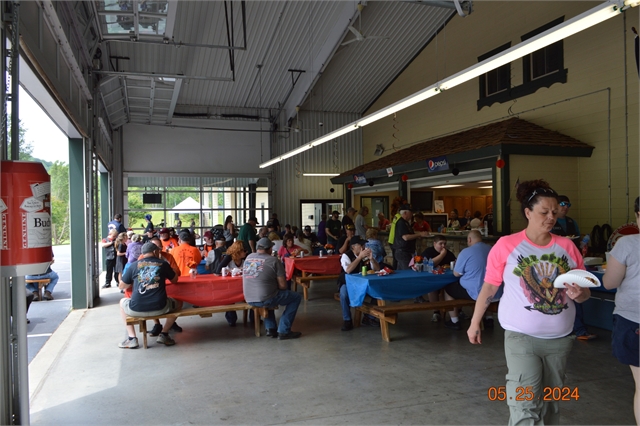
574	25
321	174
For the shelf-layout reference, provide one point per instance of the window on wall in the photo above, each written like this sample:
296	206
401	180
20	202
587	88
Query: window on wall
541	68
544	67
495	84
195	202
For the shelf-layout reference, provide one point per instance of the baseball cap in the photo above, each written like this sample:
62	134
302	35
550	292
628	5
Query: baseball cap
165	231
208	234
307	228
264	243
255	219
404	207
357	240
147	216
149	247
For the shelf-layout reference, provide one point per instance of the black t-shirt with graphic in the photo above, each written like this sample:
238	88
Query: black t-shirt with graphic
148	276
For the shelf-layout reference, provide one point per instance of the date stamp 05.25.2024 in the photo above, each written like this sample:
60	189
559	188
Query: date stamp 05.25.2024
555	393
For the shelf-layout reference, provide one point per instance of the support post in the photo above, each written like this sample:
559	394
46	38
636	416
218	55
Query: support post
78	233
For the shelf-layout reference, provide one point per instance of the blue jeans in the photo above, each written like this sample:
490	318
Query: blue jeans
284	297
578	324
53	276
344	303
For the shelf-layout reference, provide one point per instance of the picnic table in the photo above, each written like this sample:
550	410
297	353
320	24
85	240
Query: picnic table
400	285
313	268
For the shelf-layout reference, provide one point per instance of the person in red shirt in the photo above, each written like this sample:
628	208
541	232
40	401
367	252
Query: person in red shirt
419	224
383	222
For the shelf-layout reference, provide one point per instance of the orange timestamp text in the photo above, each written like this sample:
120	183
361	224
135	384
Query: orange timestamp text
549	393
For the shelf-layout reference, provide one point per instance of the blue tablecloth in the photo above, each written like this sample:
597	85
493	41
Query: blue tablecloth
400	285
202	268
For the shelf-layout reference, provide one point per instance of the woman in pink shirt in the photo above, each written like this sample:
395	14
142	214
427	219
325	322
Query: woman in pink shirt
536	316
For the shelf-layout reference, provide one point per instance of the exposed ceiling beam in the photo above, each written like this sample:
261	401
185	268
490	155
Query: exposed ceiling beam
174	100
152	95
160	75
126	96
348	14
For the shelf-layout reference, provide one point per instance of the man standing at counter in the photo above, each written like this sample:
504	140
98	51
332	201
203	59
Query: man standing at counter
404	240
348	218
567	227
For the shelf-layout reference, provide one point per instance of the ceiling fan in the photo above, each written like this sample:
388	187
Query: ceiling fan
359	36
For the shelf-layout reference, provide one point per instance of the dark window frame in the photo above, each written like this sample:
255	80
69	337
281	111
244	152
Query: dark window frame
529	85
503	95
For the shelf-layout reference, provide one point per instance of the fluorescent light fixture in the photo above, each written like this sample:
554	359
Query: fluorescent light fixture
485	181
485	187
559	32
446	186
581	22
321	174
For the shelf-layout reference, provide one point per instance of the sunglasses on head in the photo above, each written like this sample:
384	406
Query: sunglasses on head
565	204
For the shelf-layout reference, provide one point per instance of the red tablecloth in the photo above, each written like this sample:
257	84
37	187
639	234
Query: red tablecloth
326	265
207	290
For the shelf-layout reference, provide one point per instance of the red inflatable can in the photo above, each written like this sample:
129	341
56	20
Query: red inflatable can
25	218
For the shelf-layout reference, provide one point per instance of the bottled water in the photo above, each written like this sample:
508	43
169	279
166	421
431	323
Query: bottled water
430	265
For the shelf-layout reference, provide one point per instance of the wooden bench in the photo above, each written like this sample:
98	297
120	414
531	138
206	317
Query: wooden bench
305	282
205	312
42	283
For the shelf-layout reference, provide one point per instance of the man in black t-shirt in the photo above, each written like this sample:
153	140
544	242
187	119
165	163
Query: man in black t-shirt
347	219
440	256
149	297
404	241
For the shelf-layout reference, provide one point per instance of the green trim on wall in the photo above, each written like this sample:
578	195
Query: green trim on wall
77	222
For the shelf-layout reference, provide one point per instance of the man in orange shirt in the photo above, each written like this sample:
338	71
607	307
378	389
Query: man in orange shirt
168	242
185	254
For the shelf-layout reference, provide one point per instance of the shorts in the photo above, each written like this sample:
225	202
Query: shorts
171	306
625	341
456	291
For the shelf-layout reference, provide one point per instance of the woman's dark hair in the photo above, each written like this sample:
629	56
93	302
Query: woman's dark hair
477	214
227	220
635	206
529	193
286	238
419	215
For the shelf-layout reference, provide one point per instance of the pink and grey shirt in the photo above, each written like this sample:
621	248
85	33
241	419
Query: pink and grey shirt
530	304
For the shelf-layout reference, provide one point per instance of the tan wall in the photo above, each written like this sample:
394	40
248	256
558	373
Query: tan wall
592	100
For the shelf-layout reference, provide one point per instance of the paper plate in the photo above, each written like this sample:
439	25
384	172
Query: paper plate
577	276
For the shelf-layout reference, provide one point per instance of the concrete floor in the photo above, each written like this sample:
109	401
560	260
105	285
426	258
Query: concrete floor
216	374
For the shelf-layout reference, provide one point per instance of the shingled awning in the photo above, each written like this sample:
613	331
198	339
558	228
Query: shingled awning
511	136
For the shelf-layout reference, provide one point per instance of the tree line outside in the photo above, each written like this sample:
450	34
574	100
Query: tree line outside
59	172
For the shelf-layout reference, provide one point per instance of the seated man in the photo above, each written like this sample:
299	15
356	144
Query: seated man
470	267
344	243
352	261
149	297
48	289
440	256
264	285
214	257
185	254
168	242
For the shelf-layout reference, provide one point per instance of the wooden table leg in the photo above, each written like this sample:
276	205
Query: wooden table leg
143	330
305	289
256	321
384	325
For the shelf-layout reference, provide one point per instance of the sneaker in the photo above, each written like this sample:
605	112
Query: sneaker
585	335
289	335
176	327
436	317
129	343
419	299
165	339
156	330
107	285
47	295
453	325
36	296
272	332
348	325
488	322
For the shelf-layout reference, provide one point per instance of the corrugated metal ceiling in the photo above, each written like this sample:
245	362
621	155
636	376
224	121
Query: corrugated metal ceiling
281	35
